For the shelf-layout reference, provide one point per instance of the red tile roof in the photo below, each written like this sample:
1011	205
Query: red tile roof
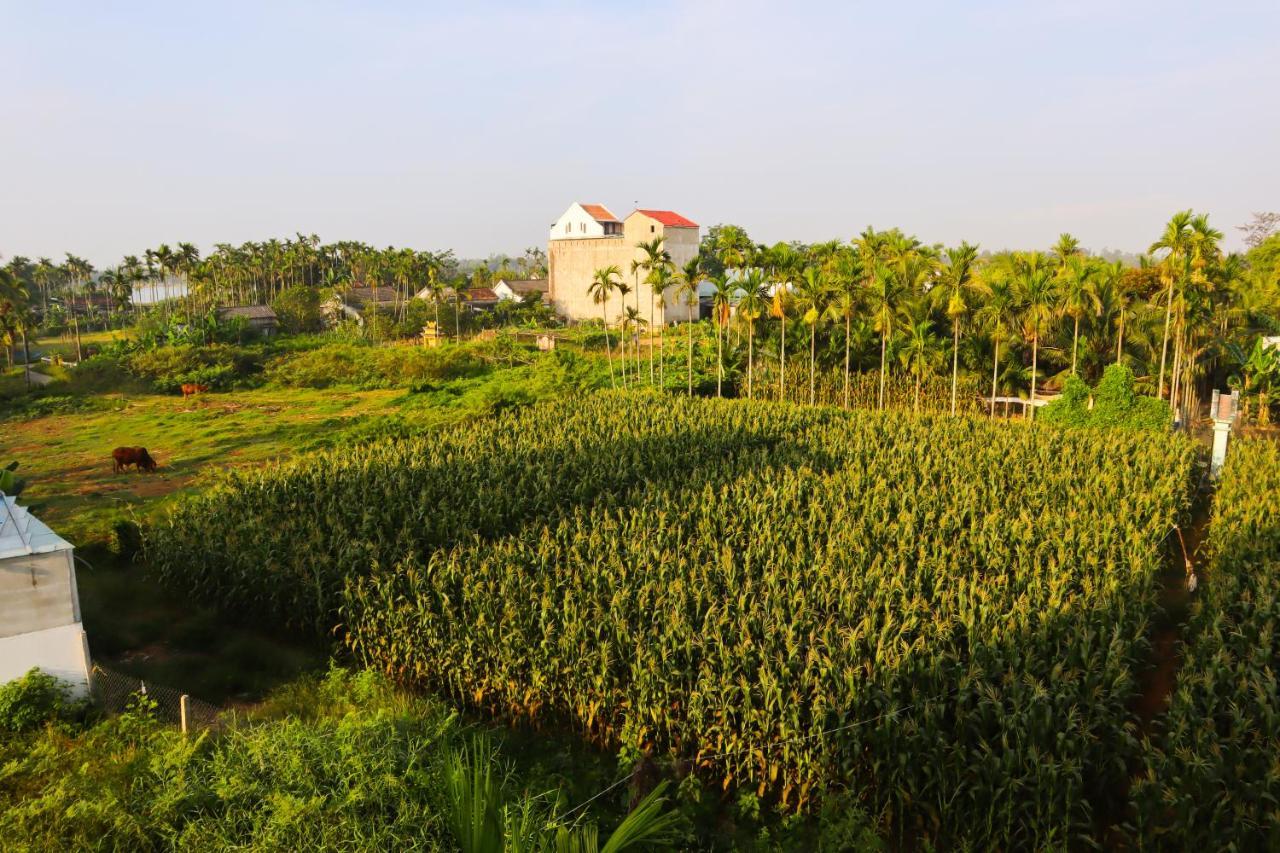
669	218
599	213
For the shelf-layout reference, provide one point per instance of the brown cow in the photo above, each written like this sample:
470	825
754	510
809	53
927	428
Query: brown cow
123	457
190	388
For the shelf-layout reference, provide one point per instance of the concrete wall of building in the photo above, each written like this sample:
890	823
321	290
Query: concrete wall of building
37	591
62	652
573	263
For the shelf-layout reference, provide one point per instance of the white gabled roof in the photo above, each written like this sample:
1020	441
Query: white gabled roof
22	533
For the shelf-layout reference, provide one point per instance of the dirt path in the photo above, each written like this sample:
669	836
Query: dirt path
38	378
1158	682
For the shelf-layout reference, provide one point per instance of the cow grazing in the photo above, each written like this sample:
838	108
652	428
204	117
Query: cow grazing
190	388
123	457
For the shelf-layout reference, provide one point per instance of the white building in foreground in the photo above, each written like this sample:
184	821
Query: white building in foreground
39	605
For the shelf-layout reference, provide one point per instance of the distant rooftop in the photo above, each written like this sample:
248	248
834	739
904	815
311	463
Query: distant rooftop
669	218
21	533
599	213
249	312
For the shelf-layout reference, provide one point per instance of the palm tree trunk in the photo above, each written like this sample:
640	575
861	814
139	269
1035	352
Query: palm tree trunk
995	366
915	406
1035	347
883	345
75	322
1075	342
1120	339
782	375
26	357
813	346
1164	344
955	364
719	356
651	311
846	361
690	359
608	350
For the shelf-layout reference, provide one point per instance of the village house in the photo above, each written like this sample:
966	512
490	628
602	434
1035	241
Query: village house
259	318
517	289
588	237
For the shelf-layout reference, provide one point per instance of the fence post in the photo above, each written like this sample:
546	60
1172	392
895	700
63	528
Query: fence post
183	707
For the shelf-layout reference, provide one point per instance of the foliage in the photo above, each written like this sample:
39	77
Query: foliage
783	597
33	700
216	365
1115	404
297	309
375	367
864	387
10	483
1210	776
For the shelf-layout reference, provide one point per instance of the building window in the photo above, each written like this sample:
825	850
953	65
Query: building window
567	226
582	226
652	228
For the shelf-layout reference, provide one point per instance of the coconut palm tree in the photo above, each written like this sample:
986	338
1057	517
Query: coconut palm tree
603	282
953	292
752	303
687	289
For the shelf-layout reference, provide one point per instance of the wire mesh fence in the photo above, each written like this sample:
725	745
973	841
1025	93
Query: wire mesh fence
115	692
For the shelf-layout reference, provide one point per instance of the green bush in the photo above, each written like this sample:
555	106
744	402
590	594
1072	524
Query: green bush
33	700
298	309
376	367
216	365
1116	404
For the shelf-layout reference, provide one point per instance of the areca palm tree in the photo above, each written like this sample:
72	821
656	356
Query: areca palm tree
655	258
1036	298
999	313
623	289
921	352
813	301
687	289
721	303
1176	243
602	284
844	302
954	292
1078	294
753	302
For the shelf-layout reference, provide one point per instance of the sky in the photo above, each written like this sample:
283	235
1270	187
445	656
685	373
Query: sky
472	126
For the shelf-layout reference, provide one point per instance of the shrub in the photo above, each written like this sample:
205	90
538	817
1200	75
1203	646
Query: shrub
376	367
298	309
33	700
216	365
1115	404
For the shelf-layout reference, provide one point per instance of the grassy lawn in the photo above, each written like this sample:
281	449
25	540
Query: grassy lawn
67	457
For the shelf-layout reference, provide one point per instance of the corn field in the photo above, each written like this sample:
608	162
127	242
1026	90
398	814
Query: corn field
944	614
1212	776
864	388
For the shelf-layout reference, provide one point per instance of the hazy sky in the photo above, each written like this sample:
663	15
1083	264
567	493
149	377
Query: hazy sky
472	126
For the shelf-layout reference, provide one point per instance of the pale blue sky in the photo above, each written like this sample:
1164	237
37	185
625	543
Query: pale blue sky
472	126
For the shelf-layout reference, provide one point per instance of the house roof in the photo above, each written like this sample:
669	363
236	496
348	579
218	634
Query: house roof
21	533
599	213
481	294
528	285
249	312
669	218
379	295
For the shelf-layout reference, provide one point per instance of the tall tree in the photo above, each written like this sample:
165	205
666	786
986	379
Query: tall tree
953	292
602	284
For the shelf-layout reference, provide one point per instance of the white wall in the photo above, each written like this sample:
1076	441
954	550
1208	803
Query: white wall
575	224
62	652
37	591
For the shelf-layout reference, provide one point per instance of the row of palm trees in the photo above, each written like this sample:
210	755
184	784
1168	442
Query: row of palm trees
1175	317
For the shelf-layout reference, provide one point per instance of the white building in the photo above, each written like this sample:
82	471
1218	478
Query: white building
39	605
